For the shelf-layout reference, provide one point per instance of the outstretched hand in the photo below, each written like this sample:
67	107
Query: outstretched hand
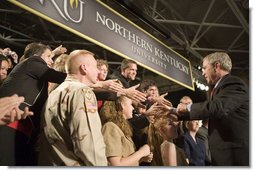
111	85
161	100
59	50
134	94
181	109
153	110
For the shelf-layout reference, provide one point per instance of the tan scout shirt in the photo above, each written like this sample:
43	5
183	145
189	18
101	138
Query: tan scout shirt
117	144
71	126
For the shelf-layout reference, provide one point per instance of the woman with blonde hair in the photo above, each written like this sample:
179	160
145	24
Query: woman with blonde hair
166	125
117	133
59	65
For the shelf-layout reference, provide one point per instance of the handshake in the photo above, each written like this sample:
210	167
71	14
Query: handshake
160	109
181	109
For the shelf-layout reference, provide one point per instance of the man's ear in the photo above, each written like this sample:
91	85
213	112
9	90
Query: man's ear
83	68
217	65
122	71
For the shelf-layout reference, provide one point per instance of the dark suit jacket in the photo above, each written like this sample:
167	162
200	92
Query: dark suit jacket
122	79
195	151
228	112
203	134
30	79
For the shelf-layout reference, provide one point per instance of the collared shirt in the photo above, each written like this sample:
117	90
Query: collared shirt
216	85
72	128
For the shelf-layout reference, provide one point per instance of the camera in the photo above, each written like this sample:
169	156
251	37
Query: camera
11	53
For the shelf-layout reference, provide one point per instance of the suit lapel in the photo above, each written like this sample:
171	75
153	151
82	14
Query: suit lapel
217	89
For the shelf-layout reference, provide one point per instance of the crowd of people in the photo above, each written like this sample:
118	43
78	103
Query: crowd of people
64	109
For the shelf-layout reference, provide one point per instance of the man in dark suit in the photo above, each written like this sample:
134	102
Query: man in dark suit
227	110
203	134
30	80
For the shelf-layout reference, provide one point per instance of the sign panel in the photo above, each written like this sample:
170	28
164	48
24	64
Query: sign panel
98	23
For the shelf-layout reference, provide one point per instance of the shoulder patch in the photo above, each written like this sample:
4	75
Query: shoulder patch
90	101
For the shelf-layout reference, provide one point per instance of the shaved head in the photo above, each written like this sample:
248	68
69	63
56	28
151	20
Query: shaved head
77	58
82	63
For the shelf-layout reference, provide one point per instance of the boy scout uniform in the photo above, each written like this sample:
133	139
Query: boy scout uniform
71	127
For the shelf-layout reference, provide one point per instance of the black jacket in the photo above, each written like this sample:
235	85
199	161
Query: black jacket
228	112
30	79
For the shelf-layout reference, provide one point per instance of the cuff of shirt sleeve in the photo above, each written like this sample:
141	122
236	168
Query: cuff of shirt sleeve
188	107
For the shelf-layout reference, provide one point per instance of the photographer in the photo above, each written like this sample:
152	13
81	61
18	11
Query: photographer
12	58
